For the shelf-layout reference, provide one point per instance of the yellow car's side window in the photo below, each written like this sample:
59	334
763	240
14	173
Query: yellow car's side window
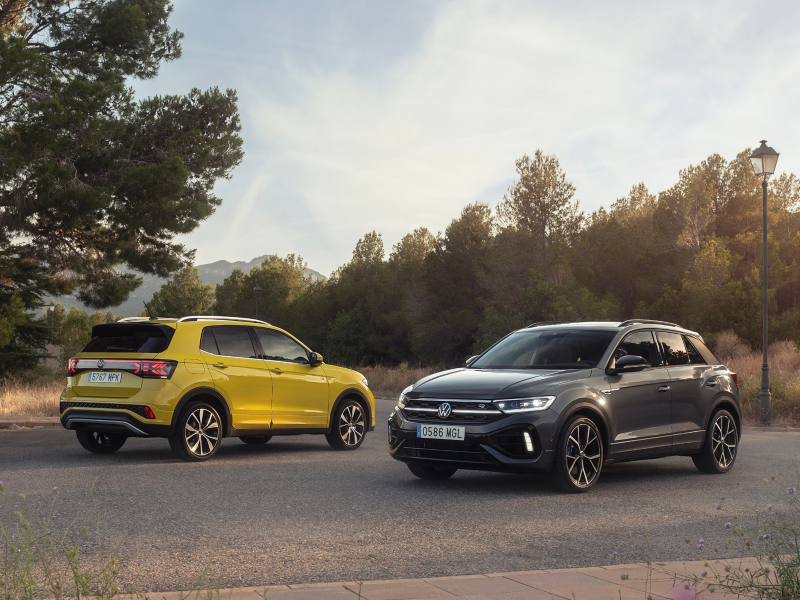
277	346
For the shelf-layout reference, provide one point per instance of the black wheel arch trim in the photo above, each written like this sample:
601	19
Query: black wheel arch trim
578	406
724	399
204	391
349	392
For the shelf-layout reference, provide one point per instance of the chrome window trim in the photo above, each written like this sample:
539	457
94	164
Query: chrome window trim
226	356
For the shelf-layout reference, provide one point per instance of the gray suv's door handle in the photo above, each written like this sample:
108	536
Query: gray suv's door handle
663	388
711	382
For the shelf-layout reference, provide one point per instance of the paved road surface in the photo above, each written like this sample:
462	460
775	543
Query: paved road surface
296	511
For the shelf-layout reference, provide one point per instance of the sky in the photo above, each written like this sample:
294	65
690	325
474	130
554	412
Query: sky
390	115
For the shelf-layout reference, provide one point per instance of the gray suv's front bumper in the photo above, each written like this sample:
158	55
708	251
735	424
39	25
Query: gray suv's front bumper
495	446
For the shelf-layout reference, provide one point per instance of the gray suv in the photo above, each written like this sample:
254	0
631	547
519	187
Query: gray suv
567	398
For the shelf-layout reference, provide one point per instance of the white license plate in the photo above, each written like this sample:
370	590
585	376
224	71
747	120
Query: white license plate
440	432
102	377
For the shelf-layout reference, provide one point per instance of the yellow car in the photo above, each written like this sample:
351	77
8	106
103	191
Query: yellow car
196	380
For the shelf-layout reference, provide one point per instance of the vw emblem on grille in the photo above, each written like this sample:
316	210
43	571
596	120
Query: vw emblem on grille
101	363
444	410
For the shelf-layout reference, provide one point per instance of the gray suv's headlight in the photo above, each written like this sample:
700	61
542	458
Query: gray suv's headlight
403	400
521	405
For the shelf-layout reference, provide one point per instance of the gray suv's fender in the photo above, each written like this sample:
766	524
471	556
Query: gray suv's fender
576	397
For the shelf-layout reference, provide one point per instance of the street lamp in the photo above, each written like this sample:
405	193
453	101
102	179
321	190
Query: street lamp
52	310
764	160
257	291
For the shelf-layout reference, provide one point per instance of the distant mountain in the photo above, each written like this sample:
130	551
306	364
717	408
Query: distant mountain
212	273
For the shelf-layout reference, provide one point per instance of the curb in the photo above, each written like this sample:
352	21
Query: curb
29	422
772	429
659	580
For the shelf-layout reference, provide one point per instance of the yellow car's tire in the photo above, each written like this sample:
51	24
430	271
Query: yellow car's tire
198	433
100	443
255	440
348	426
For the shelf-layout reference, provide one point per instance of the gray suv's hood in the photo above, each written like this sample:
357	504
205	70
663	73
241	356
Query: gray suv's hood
492	383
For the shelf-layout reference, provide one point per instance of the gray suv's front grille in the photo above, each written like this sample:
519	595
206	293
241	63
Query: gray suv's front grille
426	410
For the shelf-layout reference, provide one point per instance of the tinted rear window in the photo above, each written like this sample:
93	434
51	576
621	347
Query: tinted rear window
707	355
234	341
129	338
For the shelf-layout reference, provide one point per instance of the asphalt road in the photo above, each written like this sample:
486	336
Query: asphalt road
296	511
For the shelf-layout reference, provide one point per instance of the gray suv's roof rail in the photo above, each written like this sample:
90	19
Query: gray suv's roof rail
541	323
647	322
213	318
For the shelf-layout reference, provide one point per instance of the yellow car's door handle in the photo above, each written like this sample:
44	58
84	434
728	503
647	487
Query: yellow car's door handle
220	365
277	370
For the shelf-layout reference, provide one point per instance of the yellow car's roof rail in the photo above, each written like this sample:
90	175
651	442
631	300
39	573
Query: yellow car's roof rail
213	318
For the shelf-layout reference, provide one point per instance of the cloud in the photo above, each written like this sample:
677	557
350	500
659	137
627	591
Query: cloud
621	93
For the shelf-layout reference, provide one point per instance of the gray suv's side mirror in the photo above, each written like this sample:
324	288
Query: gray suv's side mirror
627	364
315	359
471	359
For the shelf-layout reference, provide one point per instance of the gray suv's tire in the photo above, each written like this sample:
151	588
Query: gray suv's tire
578	456
101	443
198	433
719	446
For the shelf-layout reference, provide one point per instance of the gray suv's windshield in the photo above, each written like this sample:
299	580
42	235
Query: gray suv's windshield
547	349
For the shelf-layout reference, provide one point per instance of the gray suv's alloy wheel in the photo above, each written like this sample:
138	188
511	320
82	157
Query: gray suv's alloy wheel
348	426
578	456
198	433
720	445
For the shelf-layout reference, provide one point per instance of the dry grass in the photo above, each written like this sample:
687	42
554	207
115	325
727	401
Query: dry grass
33	399
784	378
387	382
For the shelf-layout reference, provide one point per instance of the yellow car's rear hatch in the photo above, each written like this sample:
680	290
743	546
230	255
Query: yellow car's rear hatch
118	357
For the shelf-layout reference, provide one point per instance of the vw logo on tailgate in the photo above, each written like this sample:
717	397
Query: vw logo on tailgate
444	410
101	363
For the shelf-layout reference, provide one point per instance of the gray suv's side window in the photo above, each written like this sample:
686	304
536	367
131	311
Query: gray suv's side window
278	346
674	348
234	341
639	343
694	355
707	355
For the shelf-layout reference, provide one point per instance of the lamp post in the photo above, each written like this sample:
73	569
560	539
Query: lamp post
257	291
51	308
764	160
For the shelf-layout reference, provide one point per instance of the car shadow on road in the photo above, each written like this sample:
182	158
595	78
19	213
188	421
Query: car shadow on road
620	476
